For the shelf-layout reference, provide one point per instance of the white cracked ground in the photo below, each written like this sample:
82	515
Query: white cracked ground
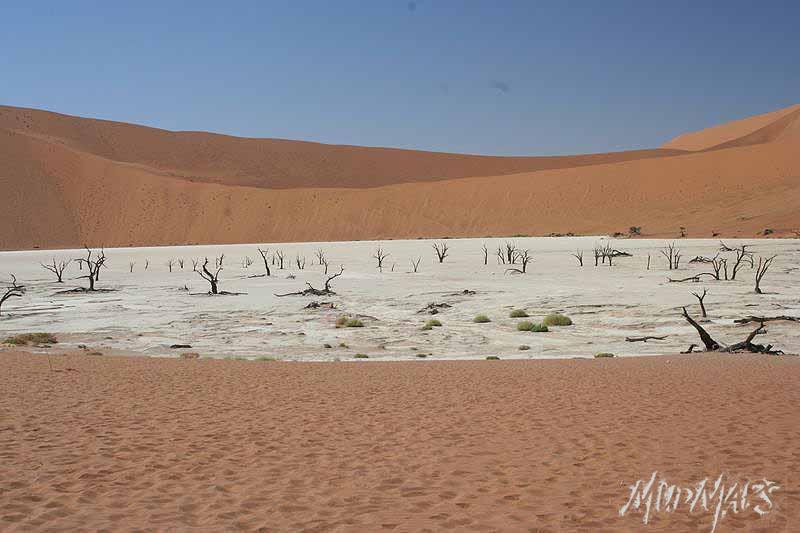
148	310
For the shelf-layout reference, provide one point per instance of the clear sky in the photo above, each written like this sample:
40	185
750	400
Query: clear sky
494	77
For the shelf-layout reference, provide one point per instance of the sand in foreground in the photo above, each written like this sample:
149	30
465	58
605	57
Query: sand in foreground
124	443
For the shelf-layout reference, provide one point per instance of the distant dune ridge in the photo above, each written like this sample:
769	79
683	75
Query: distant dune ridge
69	181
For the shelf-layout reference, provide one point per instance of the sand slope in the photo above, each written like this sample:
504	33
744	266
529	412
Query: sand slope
113	443
77	181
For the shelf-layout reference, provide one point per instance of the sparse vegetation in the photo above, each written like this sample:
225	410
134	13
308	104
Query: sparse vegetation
527	325
360	356
25	339
603	354
523	347
481	319
433	323
518	313
492	358
557	319
265	358
348	322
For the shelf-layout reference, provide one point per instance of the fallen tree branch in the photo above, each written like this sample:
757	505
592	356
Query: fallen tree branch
763	319
746	345
645	338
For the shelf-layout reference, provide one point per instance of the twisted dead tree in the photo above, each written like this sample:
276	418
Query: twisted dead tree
57	268
763	265
579	256
94	261
747	345
312	291
279	256
485	255
219	260
598	253
380	256
211	278
510	253
524	257
320	255
700	298
247	262
181	262
264	256
673	256
743	256
300	261
415	264
170	263
441	250
12	290
131	264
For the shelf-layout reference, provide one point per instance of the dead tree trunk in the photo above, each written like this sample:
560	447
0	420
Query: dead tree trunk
264	256
57	268
710	344
320	255
212	279
441	250
763	265
700	298
300	261
131	265
743	255
312	291
415	264
94	262
746	345
485	255
524	257
170	263
380	256
579	256
673	256
12	290
280	256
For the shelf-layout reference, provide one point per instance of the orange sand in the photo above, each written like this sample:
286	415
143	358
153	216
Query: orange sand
121	443
72	181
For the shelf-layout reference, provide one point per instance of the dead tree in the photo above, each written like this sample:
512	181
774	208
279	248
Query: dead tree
57	268
146	264
485	255
264	256
524	257
511	253
579	256
94	261
195	262
763	265
279	256
300	261
170	263
720	267
312	291
212	279
415	264
743	256
324	263
746	345
180	262
598	253
320	255
501	258
12	290
673	256
219	260
441	250
646	338
131	264
648	261
247	261
380	256
700	298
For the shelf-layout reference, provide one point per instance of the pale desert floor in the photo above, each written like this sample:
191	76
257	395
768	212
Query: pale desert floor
153	444
149	310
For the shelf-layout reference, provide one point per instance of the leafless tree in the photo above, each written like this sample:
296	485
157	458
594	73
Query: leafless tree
579	256
763	265
206	274
320	255
673	256
219	260
485	255
12	290
247	261
300	261
131	264
264	255
279	256
598	253
94	261
380	256
524	257
712	345
441	250
195	263
501	257
170	263
700	298
312	291
415	264
57	268
648	261
324	263
743	256
146	264
180	262
510	253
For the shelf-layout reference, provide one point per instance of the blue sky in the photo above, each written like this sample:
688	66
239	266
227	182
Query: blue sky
513	77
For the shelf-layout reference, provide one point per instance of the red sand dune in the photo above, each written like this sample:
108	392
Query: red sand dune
70	181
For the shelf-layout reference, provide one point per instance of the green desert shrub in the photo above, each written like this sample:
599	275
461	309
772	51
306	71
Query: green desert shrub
265	358
24	339
524	347
492	358
481	319
556	319
603	354
433	323
347	322
527	325
518	313
361	356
